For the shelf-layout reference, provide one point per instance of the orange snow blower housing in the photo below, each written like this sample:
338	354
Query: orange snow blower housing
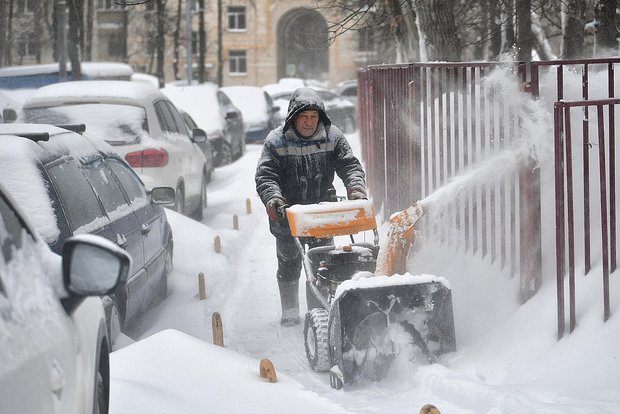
353	304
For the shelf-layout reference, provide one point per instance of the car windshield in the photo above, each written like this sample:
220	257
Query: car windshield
114	123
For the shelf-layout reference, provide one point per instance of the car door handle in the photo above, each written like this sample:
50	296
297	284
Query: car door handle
121	240
146	229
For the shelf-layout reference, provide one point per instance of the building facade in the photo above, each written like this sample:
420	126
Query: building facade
261	41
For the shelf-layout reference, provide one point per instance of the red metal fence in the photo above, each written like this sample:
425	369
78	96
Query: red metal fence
424	125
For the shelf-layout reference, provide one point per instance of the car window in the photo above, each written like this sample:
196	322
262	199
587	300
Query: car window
350	91
268	99
176	117
11	230
115	123
224	100
76	195
130	182
164	117
189	121
105	186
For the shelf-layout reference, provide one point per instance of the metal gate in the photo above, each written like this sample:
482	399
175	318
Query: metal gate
425	126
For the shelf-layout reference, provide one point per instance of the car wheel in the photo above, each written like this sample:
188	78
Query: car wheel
198	214
316	341
163	283
114	321
225	154
179	201
101	400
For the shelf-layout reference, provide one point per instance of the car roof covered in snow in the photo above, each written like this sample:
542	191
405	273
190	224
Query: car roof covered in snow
108	91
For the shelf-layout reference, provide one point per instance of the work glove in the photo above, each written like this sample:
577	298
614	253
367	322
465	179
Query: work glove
274	208
356	193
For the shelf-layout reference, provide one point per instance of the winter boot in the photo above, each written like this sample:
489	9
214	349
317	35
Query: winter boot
290	302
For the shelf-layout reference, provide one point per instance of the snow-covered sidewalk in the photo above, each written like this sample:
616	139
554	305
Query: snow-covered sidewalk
507	358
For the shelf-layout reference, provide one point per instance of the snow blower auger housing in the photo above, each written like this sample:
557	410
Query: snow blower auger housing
358	318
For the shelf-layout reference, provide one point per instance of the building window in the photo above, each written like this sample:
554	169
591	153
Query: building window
236	19
27	45
367	41
24	6
237	62
116	45
107	4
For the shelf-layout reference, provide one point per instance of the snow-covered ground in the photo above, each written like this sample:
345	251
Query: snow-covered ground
507	360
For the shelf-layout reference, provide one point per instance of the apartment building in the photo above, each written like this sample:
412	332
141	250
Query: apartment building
261	40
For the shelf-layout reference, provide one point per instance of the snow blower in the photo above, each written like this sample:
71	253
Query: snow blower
363	308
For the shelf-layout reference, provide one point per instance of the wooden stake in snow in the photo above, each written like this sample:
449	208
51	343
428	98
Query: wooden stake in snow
267	370
248	206
217	244
218	329
235	222
201	286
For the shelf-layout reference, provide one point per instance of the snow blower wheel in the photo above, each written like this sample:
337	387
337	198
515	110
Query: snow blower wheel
316	340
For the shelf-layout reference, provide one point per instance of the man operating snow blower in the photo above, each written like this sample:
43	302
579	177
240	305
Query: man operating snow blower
297	166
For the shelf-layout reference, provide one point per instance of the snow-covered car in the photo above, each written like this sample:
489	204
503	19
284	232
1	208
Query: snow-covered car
140	123
69	184
260	115
216	114
55	350
348	90
342	113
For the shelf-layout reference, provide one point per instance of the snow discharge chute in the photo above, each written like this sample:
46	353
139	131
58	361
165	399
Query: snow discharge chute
363	308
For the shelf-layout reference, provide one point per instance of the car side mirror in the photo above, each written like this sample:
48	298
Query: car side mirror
9	115
199	135
163	195
231	115
92	266
275	109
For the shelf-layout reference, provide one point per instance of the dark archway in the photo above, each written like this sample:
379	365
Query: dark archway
302	45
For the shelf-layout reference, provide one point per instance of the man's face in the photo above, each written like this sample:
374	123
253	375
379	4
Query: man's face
306	123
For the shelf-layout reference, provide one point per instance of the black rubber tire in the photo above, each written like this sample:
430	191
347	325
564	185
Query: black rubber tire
225	155
198	214
163	284
114	320
179	201
101	400
316	339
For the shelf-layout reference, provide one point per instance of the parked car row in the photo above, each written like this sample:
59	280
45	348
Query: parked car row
141	124
70	184
86	203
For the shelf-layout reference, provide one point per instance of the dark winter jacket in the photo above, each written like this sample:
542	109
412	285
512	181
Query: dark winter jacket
301	170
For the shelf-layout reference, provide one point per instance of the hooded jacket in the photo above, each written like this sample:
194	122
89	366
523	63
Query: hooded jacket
301	170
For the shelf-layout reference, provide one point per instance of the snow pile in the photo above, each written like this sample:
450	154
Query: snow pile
203	378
